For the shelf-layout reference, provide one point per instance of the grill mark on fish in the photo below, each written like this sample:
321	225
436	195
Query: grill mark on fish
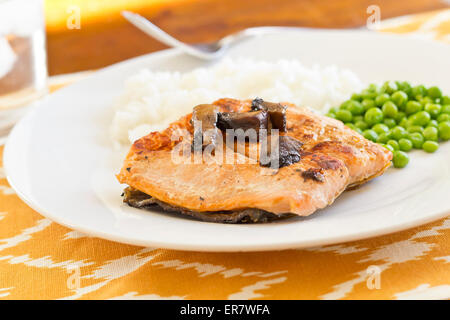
313	174
335	144
327	163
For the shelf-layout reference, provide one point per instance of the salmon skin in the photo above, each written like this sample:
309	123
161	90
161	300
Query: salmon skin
333	158
140	200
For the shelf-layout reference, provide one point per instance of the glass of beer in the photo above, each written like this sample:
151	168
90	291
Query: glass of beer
23	66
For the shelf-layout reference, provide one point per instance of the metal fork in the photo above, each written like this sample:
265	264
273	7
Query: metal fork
207	51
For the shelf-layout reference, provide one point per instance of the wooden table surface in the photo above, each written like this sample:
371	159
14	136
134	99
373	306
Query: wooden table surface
105	37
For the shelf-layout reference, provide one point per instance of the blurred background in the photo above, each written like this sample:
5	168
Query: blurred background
89	34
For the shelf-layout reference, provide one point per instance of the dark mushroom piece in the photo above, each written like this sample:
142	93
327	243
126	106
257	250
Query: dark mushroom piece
246	120
204	119
277	112
289	152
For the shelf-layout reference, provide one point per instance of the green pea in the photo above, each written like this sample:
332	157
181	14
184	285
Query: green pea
400	159
369	94
344	115
413	107
444	130
446	109
356	97
383	137
380	128
390	122
373	87
367	104
443	117
355	107
344	105
419	90
371	135
381	99
331	115
413	129
404	86
403	123
399	98
421	118
393	144
373	116
433	123
410	122
389	147
426	100
351	126
405	144
433	109
398	133
361	125
389	109
445	100
389	87
434	92
431	133
333	110
400	116
399	84
430	146
358	118
416	139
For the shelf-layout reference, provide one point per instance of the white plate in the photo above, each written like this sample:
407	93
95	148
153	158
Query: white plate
60	161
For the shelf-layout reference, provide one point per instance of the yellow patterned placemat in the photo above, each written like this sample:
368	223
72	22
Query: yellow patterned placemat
40	259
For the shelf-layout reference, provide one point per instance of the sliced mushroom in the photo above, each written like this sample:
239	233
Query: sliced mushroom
277	112
204	120
288	151
246	120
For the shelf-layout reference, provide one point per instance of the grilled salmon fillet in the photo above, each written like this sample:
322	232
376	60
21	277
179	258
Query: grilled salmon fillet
340	157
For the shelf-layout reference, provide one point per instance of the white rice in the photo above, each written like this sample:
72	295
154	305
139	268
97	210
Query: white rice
152	100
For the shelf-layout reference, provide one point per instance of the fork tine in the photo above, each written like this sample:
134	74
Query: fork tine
154	31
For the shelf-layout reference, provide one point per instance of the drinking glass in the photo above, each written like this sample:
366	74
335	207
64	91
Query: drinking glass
23	67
